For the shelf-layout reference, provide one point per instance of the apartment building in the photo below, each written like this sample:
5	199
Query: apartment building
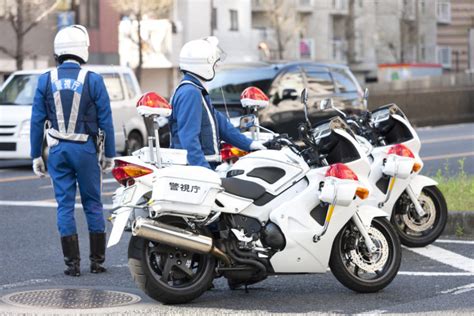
230	21
455	37
361	33
98	16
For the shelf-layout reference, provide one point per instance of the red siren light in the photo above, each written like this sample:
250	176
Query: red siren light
152	103
254	97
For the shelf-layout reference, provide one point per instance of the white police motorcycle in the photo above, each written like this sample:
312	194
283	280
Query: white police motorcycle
415	205
279	211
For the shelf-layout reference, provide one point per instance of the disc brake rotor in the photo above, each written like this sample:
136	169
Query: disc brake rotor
378	258
422	224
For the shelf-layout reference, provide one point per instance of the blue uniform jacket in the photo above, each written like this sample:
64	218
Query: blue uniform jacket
197	126
95	108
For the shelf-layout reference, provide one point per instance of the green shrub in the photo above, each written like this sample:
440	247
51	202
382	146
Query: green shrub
458	189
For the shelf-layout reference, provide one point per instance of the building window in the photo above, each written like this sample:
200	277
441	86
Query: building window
214	19
234	20
89	13
444	56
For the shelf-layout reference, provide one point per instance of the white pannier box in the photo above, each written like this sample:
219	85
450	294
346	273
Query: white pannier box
338	191
398	166
189	190
169	156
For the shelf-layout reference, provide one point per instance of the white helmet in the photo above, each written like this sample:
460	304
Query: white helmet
72	41
200	56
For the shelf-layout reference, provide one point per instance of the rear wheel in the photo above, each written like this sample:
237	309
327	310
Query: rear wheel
416	231
168	274
353	265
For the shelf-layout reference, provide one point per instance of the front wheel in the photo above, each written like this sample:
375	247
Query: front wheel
416	231
167	274
356	268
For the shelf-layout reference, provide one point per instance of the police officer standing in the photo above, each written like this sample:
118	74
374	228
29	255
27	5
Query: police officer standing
75	103
195	124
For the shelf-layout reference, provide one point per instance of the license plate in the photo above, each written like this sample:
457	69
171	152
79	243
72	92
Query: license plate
128	194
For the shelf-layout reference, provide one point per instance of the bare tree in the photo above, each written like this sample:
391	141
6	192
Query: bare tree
23	16
282	19
137	10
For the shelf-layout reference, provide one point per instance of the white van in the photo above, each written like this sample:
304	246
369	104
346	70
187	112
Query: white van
16	98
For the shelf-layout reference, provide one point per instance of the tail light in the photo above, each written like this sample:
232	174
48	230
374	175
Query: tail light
400	150
229	152
341	171
125	171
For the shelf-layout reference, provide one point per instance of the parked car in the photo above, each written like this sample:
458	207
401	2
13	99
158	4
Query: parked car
283	83
16	98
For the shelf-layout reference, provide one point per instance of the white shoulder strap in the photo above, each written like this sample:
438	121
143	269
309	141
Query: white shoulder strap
77	88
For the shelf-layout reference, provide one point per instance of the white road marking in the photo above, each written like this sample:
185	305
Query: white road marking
446	139
450	241
446	156
446	257
460	289
446	274
23	283
42	204
111	180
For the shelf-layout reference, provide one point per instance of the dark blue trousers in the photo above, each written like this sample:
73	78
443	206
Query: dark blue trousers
69	164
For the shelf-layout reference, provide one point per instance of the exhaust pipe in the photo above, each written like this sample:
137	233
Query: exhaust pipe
176	237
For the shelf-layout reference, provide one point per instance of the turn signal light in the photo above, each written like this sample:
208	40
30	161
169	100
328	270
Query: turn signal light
416	167
125	171
341	171
229	152
362	193
400	150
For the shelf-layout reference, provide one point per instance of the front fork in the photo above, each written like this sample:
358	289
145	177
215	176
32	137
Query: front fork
414	199
363	231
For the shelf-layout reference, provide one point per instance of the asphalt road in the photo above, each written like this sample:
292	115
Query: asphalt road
439	278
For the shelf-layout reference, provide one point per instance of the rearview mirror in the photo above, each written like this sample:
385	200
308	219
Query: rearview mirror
304	96
247	122
325	104
365	100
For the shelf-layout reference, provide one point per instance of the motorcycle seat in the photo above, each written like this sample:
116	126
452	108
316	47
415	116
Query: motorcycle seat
243	188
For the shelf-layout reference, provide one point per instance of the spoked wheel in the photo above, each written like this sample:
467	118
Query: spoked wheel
358	269
168	274
416	231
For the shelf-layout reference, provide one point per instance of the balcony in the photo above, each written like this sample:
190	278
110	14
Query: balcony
258	5
443	12
305	6
340	7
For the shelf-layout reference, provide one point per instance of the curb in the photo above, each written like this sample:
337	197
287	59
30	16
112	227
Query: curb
459	223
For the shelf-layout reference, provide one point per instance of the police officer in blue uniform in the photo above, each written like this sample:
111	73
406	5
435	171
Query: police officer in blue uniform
76	105
195	124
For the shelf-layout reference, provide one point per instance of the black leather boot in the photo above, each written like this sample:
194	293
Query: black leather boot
97	247
70	245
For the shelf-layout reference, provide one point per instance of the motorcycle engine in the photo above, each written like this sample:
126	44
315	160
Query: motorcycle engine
270	235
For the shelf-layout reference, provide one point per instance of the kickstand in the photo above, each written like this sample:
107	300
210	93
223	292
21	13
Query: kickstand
246	289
